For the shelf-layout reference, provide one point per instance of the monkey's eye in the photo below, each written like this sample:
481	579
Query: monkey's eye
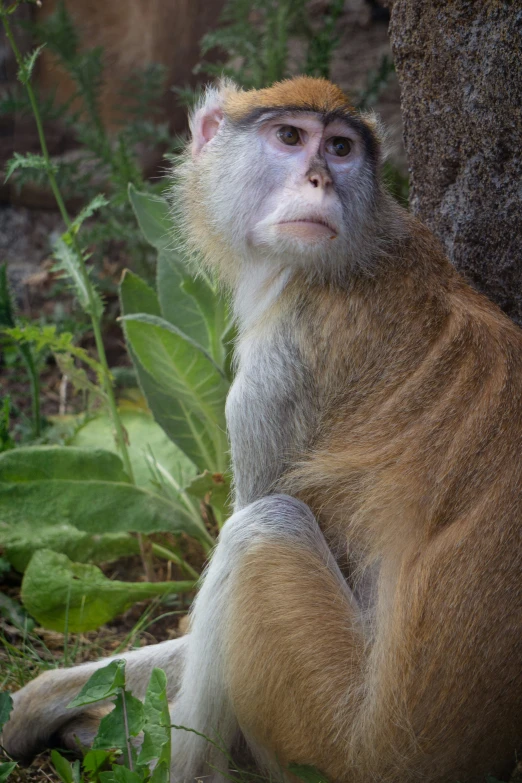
288	135
339	146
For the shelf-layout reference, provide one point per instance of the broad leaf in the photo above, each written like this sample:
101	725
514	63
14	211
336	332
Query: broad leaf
177	363
147	443
22	539
85	488
38	463
15	614
120	774
183	427
156	729
61	594
111	733
179	306
154	217
96	760
102	684
63	767
214	311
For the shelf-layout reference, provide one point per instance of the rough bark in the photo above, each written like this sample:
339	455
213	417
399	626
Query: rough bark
459	64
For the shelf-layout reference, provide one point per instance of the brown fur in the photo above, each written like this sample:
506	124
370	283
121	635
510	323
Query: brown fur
414	475
416	467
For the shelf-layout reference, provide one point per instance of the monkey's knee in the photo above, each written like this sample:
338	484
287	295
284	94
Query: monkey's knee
279	517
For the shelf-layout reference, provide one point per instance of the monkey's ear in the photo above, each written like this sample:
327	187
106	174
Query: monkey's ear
205	122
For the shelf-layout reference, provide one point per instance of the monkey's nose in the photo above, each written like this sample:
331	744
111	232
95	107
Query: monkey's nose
319	179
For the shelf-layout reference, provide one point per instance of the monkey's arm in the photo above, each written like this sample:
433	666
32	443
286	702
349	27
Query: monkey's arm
270	413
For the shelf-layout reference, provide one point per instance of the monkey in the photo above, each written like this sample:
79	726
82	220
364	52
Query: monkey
362	609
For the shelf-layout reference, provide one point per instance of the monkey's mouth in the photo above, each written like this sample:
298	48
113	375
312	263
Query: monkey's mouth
308	228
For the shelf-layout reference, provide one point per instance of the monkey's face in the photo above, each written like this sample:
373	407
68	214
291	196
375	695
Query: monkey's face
296	186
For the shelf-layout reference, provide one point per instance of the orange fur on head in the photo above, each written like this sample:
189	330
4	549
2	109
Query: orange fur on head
305	92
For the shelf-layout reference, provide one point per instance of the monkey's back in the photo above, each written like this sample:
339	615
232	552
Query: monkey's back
417	475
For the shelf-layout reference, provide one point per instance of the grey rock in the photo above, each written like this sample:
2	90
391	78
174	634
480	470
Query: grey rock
460	71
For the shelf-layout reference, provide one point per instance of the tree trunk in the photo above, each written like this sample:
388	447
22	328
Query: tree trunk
459	64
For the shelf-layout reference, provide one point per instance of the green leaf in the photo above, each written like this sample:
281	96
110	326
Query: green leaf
95	761
101	685
5	770
137	296
307	773
21	540
111	733
59	593
63	768
154	217
178	303
88	211
26	69
181	426
27	161
156	729
67	261
160	773
178	363
6	706
85	488
214	488
38	463
213	310
148	445
124	775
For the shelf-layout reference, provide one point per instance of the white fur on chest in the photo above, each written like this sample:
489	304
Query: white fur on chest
257	290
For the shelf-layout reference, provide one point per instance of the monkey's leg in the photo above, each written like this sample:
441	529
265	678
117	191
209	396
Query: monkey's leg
40	711
275	649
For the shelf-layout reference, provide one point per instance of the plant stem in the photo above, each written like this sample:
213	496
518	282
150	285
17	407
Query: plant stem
168	554
127	735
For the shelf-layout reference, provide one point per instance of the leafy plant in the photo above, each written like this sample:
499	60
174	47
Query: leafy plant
107	161
114	740
55	485
255	37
